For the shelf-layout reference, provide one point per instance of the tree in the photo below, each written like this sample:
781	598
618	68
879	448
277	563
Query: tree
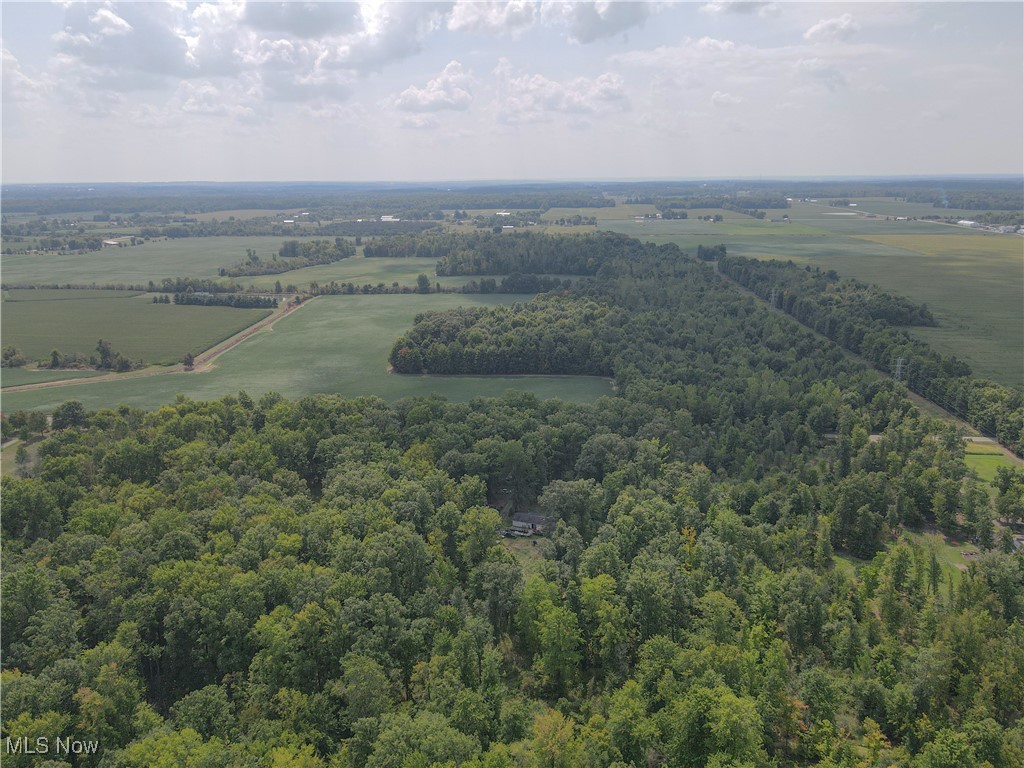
68	415
422	283
189	361
560	641
106	354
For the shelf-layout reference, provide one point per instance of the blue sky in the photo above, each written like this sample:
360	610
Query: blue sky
512	90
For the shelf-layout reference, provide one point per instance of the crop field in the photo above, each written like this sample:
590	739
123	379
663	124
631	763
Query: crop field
15	377
137	265
334	344
132	323
735	225
888	206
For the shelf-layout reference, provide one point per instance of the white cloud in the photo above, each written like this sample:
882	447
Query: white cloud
449	90
591	21
17	85
204	98
492	17
531	98
109	23
723	99
720	7
420	122
829	30
822	73
306	20
389	32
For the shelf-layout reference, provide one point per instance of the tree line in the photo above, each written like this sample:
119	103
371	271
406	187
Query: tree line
237	301
869	322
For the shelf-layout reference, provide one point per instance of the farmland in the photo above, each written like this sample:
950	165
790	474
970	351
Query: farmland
137	265
37	322
335	344
360	271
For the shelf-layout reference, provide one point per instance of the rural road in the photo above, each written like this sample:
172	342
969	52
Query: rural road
203	362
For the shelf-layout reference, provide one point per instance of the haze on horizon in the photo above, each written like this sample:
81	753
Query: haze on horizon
418	91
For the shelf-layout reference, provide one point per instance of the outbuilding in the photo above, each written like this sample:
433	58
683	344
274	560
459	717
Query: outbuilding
532	522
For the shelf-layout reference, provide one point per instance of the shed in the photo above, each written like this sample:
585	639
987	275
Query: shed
529	521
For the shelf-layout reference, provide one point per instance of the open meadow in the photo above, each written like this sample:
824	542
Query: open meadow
334	344
37	322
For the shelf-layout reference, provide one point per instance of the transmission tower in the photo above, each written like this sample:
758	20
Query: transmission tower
774	296
897	374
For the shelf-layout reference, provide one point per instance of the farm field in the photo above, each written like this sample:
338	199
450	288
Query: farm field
733	224
187	256
16	377
888	206
334	344
132	323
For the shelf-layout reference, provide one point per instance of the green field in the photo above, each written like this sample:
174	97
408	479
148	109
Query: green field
155	260
334	344
15	377
984	459
132	323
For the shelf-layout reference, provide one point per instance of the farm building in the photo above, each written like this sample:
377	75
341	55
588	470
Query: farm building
529	521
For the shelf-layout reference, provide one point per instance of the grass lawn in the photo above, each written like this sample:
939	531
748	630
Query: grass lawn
335	344
949	552
527	551
984	459
132	323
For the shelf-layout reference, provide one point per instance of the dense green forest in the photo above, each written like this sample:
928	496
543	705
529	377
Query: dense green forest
322	583
870	322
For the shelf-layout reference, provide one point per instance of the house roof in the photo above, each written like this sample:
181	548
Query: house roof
530	517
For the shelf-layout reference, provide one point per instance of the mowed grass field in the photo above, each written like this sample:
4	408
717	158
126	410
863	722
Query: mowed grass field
37	322
973	282
984	459
137	265
334	344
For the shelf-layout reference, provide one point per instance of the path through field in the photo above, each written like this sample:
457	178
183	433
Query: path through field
203	362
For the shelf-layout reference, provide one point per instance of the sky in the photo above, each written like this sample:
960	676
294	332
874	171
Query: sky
425	91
